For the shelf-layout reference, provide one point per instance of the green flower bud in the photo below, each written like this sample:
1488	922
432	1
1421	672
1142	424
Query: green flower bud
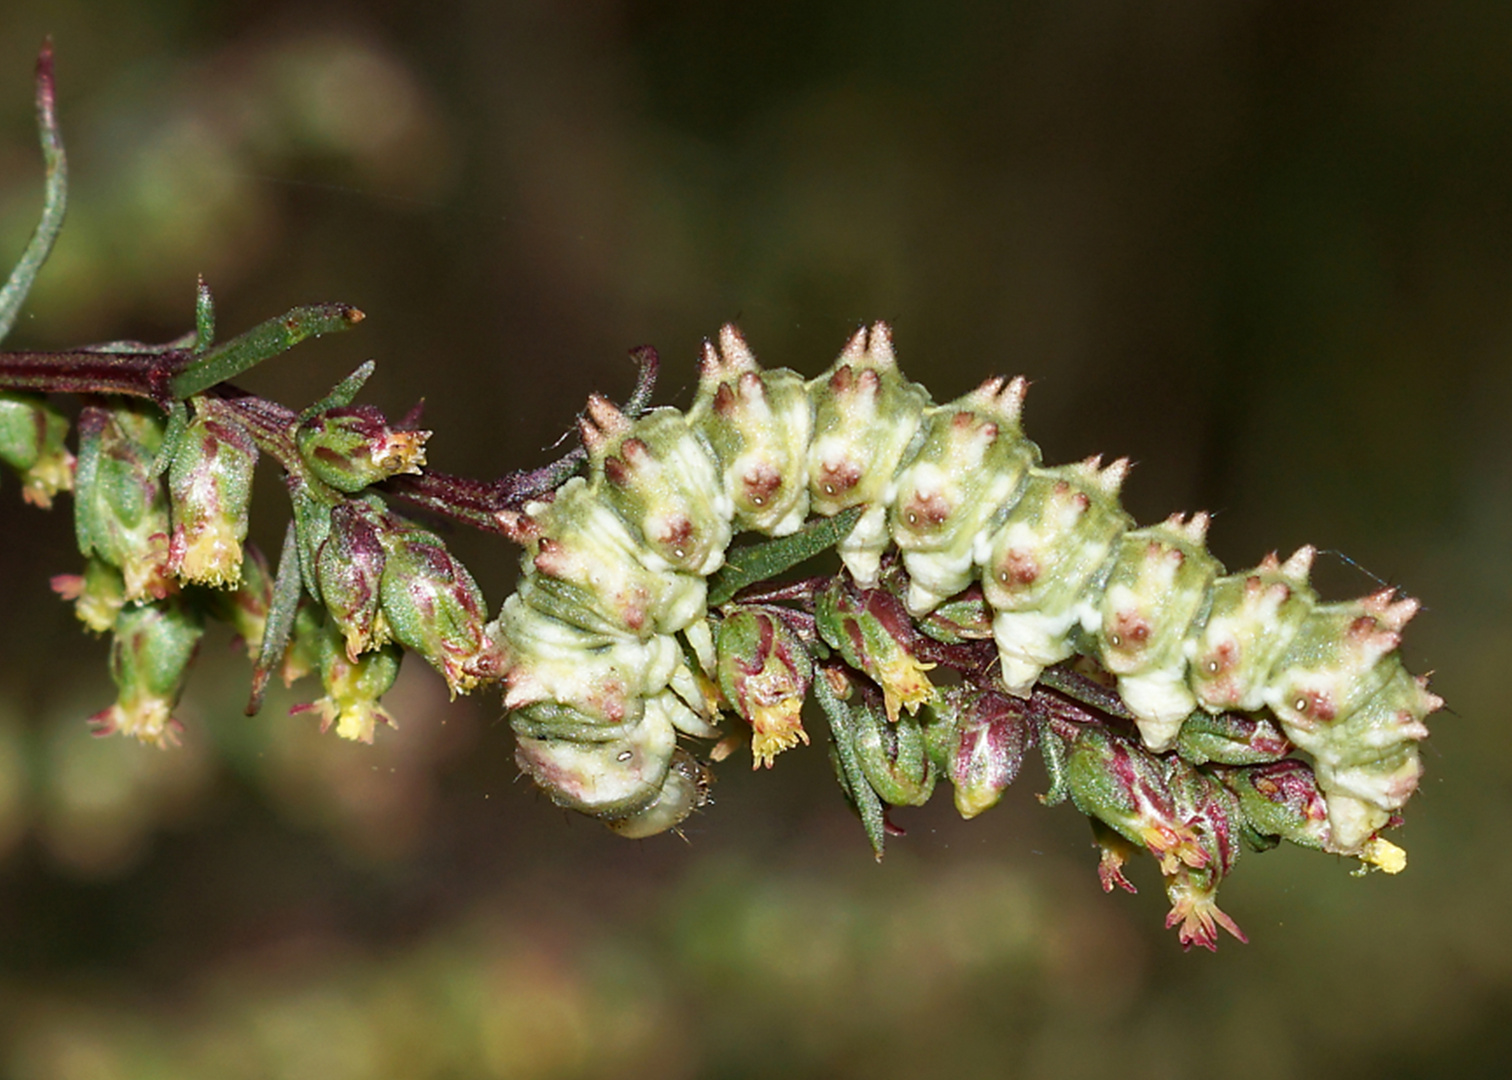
150	653
1231	739
1038	566
349	567
433	606
957	621
758	424
1185	817
353	687
764	672
872	632
98	594
660	479
983	745
866	417
120	505
1281	800
1156	589
972	461
32	431
894	757
210	490
1342	695
1126	787
353	446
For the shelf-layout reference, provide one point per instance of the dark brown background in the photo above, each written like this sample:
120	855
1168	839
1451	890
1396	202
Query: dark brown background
1264	249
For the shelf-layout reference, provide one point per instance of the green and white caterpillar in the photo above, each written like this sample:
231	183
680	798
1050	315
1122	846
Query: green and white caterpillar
611	653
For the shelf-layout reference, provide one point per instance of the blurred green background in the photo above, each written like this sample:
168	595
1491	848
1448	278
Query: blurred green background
1265	249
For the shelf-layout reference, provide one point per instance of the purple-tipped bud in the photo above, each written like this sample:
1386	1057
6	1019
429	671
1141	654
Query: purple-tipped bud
98	594
149	659
988	739
765	673
349	568
871	630
210	489
353	687
1126	787
1186	819
32	431
1231	739
120	505
962	618
433	606
1281	799
354	446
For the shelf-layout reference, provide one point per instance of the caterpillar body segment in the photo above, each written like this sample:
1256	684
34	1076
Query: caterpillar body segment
612	651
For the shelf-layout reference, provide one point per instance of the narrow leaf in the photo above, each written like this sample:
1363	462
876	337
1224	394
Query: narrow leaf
55	199
748	565
263	341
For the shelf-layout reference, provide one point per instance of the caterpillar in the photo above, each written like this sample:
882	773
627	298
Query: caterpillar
611	651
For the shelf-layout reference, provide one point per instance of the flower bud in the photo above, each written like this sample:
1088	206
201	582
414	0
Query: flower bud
210	490
433	606
972	461
120	505
1231	739
1281	800
1184	816
1126	787
872	632
866	415
98	594
765	673
759	424
894	757
353	687
32	431
959	620
988	736
660	479
349	568
149	661
353	446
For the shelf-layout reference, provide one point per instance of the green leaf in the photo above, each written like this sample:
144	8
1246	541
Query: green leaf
852	776
263	341
54	203
760	562
280	623
342	393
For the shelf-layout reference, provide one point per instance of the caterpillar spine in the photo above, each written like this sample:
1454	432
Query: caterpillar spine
611	648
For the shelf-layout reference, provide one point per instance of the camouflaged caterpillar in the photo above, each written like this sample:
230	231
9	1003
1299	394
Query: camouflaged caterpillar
614	582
